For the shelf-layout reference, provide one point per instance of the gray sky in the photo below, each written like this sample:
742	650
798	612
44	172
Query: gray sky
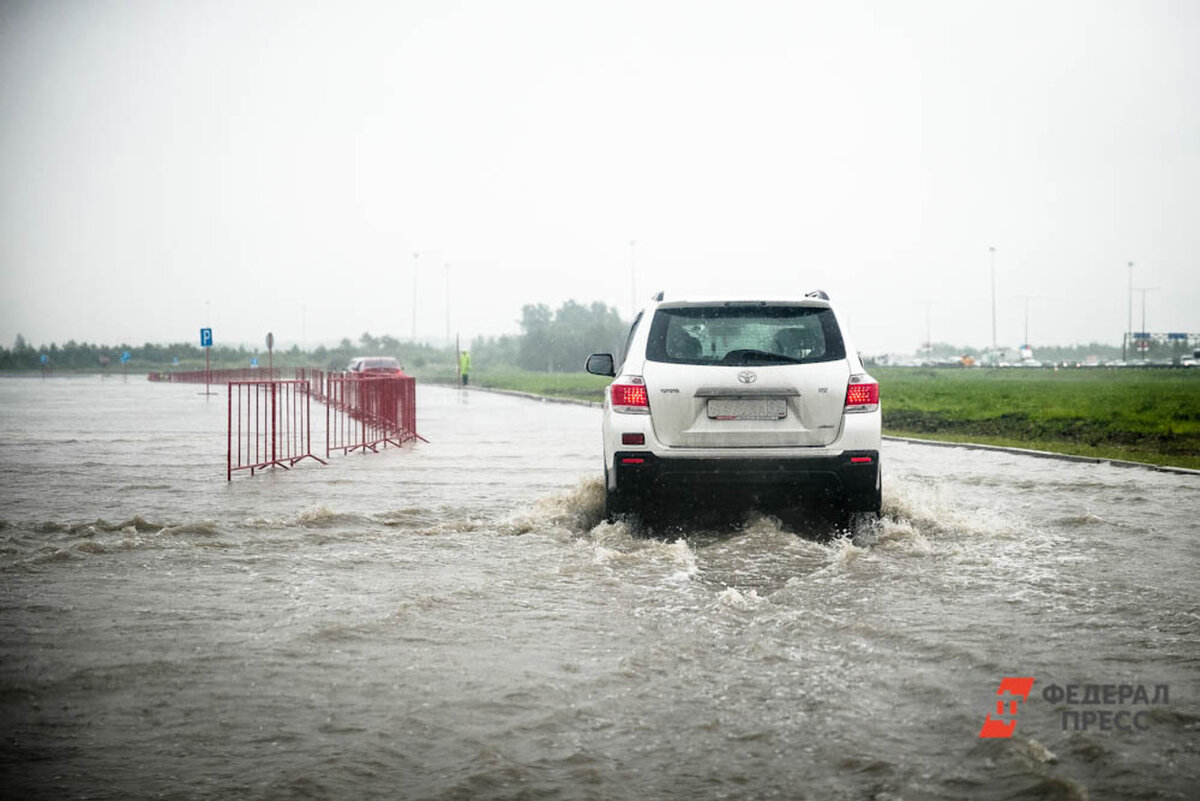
274	166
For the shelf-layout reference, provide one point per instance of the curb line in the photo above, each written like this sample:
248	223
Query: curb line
937	443
527	395
1063	457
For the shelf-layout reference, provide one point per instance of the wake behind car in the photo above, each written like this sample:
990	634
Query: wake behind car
762	399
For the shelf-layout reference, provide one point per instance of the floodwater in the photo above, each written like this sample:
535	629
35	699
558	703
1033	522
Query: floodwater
453	620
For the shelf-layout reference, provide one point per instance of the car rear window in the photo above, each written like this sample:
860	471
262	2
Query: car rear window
756	334
381	363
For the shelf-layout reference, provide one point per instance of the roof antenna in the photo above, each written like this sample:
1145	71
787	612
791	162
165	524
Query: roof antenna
658	297
817	293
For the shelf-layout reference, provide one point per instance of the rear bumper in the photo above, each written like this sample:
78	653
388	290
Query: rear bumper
850	473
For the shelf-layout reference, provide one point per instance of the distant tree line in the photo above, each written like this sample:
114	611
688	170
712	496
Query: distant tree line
76	356
556	341
550	340
86	356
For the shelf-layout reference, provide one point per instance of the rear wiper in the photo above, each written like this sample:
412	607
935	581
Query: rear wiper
747	356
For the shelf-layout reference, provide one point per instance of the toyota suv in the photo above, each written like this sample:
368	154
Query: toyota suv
758	399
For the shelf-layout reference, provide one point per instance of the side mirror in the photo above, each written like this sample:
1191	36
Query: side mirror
601	364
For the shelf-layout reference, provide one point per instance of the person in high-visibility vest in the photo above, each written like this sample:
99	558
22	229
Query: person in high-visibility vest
464	366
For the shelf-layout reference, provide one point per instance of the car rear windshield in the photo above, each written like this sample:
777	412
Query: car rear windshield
755	334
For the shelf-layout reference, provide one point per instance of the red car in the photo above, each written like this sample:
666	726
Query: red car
376	365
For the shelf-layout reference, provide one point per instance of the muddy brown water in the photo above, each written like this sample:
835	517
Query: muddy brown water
453	620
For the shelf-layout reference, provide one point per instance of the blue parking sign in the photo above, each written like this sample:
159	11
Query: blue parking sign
205	337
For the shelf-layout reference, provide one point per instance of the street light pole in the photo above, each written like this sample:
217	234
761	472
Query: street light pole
1026	337
992	251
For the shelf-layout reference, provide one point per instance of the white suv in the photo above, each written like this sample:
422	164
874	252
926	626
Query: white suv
762	399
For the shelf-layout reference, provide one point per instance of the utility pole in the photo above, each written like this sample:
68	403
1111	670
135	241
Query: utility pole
1025	346
1144	332
1129	326
992	251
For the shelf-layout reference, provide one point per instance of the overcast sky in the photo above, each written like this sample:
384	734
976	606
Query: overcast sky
262	166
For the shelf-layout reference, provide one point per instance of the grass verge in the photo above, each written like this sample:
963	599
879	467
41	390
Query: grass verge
576	386
1150	416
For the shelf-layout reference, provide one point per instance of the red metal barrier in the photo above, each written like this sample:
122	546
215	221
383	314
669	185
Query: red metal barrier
216	376
316	380
366	412
270	425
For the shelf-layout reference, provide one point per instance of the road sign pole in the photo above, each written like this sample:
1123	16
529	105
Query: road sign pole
206	343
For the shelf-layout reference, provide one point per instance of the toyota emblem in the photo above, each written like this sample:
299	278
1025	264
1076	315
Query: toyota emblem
747	376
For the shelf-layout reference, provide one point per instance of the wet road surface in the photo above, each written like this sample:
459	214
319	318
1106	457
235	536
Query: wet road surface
453	620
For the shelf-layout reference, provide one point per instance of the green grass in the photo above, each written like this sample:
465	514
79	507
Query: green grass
577	386
1150	416
1141	415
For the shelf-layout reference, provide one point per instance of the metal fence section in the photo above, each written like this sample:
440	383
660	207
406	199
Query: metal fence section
316	379
270	425
369	412
216	376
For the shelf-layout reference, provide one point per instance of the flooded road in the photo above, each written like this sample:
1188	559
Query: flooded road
453	620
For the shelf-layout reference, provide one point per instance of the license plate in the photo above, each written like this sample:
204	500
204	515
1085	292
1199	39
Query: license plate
747	408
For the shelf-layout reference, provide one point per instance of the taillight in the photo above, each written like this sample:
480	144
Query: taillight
862	394
630	398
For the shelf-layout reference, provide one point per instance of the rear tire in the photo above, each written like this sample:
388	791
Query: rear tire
616	503
871	503
876	509
615	506
861	510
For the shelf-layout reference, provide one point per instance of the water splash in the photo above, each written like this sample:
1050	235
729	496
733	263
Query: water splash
742	601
